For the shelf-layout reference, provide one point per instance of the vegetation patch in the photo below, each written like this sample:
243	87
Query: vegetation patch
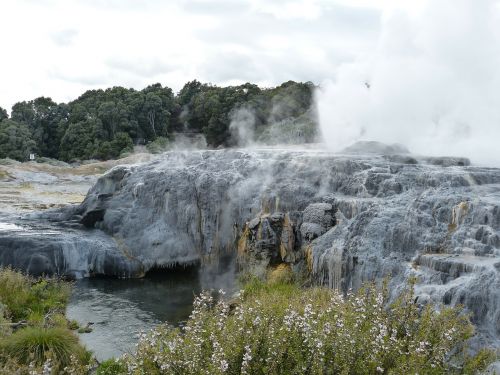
4	175
35	336
28	298
276	327
280	328
159	145
104	124
35	344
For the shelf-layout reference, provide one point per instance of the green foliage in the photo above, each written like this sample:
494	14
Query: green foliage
79	140
120	144
43	117
3	114
111	367
15	140
37	344
85	329
208	108
282	329
295	130
106	123
28	298
160	144
41	342
73	325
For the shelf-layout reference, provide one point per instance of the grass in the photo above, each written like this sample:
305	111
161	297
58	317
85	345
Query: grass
36	344
111	367
28	298
35	336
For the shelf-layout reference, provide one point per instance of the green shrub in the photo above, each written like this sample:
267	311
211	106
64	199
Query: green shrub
283	329
159	145
111	367
46	344
25	297
37	344
4	322
73	325
85	329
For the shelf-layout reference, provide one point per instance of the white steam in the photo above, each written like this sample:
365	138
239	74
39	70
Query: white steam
242	127
433	84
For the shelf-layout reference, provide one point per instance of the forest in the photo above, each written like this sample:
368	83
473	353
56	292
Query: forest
103	124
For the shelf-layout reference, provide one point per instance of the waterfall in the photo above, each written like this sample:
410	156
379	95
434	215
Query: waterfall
335	268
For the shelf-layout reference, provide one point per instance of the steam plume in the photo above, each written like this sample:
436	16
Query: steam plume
242	127
432	84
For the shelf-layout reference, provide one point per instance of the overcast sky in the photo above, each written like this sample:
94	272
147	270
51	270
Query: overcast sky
61	48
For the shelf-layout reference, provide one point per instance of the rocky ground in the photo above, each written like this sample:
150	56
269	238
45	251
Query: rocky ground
343	219
26	187
31	190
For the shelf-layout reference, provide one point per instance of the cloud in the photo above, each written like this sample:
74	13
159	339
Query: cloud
83	78
142	67
64	37
287	9
215	7
63	48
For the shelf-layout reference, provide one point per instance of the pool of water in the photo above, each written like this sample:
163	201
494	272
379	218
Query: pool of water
120	309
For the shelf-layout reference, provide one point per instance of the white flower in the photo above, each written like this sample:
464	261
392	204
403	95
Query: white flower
247	357
223	365
47	367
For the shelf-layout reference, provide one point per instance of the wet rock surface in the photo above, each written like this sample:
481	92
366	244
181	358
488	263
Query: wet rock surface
347	219
41	248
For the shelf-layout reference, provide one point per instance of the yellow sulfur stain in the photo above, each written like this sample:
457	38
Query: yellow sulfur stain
281	273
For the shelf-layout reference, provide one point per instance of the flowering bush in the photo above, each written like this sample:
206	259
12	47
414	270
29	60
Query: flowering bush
282	329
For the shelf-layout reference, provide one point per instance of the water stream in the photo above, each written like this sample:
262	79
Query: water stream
121	308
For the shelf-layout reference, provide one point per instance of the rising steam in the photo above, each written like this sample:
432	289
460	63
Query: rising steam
432	84
242	127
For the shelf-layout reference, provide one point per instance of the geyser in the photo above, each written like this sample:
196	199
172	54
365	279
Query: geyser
431	84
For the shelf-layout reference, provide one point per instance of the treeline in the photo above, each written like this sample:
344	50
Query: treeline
102	124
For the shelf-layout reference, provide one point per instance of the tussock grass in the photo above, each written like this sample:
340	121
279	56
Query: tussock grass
29	298
37	344
34	334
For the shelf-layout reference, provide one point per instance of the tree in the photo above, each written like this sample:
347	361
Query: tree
95	124
290	99
188	91
114	117
217	130
3	114
78	141
183	105
121	143
157	110
153	110
23	112
15	140
43	117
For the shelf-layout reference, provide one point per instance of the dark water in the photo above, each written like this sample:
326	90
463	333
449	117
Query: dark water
120	309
